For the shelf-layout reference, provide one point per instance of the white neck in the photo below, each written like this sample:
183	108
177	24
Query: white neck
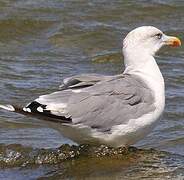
147	69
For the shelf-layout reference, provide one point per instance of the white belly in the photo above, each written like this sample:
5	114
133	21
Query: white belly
135	130
120	135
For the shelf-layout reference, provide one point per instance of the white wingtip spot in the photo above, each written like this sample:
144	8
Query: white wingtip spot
40	109
27	109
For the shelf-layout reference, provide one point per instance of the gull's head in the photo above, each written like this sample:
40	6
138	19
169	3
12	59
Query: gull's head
147	40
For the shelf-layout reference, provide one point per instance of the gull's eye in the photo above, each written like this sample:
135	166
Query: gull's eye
159	35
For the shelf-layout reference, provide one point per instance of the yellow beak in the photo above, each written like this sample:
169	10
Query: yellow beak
172	41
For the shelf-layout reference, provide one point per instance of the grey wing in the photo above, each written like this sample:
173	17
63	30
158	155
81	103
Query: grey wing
55	105
112	103
82	81
102	105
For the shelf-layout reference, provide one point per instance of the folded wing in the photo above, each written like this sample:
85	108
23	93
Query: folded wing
96	101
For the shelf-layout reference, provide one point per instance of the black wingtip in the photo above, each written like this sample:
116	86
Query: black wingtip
40	109
32	111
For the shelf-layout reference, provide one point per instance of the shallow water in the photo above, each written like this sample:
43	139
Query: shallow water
42	42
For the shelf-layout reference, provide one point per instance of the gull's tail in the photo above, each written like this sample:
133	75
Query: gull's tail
7	107
13	108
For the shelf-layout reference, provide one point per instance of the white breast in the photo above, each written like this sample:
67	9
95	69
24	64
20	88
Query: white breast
136	129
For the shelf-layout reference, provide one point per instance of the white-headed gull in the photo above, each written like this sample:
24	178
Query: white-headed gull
114	110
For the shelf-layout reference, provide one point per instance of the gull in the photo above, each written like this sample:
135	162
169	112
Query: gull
113	110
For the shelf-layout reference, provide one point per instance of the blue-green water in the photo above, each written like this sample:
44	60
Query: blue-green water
42	42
